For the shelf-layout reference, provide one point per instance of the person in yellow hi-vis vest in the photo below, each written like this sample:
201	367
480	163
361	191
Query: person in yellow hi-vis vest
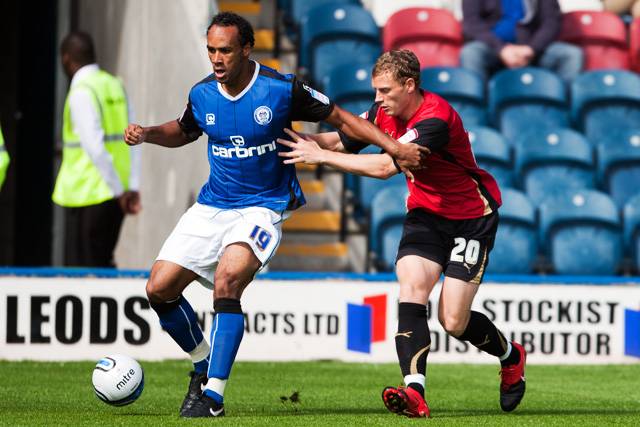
99	176
4	160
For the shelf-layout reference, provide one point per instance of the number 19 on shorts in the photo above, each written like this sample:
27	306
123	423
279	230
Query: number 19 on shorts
261	237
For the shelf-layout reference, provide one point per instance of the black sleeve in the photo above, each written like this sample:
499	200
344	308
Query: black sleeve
431	133
353	146
188	124
307	104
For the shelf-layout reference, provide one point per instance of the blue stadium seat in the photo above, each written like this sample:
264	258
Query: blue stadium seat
631	215
367	188
388	209
582	232
493	154
462	88
299	9
553	160
337	34
352	183
284	5
619	166
527	98
349	86
605	102
516	245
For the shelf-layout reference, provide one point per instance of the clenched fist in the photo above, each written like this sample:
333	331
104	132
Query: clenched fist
134	134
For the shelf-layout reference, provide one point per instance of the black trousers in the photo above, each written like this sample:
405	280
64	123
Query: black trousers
91	234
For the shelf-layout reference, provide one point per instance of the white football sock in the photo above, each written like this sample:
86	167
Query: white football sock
507	353
201	352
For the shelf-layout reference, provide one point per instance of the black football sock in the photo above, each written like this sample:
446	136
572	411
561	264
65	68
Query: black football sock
512	358
482	333
413	343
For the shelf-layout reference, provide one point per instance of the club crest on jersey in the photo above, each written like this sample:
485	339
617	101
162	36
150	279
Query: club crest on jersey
262	115
210	119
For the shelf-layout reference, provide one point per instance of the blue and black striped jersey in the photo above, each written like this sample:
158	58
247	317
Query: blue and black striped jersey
246	170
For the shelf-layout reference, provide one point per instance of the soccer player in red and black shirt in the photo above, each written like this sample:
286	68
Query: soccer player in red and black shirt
450	226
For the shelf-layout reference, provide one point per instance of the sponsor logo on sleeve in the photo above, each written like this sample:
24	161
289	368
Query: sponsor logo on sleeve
411	135
317	95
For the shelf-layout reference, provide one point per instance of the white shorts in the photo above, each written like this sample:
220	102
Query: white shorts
200	237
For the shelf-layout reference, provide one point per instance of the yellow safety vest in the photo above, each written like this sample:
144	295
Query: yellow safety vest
4	159
79	182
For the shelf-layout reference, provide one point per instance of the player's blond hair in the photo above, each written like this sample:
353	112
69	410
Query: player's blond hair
402	64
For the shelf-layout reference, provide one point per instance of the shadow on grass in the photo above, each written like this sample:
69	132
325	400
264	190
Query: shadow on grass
537	412
438	413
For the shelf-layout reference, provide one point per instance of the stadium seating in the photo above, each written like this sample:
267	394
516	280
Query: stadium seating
605	102
553	160
388	210
602	36
619	166
516	244
366	188
349	86
631	214
383	9
434	35
462	88
582	233
527	99
634	45
298	10
492	153
338	34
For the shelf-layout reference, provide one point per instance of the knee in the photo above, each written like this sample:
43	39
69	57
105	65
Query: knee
574	55
413	292
226	284
567	54
159	290
454	323
474	52
477	57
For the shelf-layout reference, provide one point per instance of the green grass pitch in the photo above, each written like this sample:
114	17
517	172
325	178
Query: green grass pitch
331	394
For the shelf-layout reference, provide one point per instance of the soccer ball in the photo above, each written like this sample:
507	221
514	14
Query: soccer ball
118	380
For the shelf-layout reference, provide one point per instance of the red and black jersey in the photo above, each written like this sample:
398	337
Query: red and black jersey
451	185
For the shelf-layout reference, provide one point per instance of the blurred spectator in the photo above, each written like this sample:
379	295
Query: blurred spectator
622	7
516	33
4	159
98	178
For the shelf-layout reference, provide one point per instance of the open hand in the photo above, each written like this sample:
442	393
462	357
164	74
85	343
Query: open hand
302	150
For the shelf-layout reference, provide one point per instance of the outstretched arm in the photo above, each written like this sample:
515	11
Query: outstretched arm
308	151
409	156
326	140
167	135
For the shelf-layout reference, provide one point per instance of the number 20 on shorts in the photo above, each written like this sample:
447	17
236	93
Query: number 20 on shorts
471	250
261	237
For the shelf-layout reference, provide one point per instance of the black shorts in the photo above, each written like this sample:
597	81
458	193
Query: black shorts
461	247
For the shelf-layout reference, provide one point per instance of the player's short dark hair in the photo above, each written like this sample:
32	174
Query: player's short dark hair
403	64
230	19
79	46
